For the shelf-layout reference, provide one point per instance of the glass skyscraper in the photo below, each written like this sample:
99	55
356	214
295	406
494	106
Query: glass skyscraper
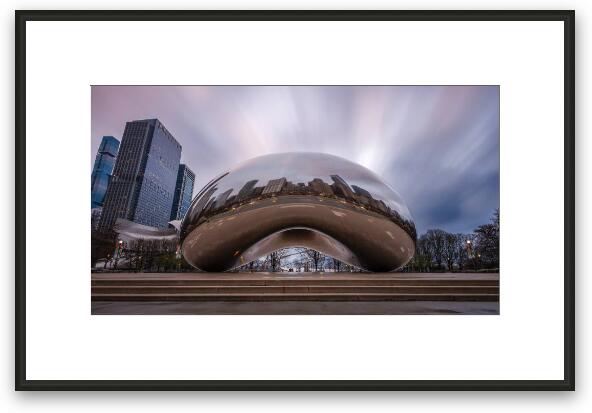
183	192
143	183
102	169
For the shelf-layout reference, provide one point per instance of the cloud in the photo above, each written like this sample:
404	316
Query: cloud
438	146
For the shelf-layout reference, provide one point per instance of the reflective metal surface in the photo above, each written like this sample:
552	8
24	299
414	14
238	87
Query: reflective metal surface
130	231
299	199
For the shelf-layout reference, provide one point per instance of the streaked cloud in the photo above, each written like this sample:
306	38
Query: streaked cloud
438	146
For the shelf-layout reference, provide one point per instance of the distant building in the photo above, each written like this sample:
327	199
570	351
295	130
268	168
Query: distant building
364	196
143	183
95	217
273	186
183	192
361	191
341	188
257	191
246	190
290	187
205	199
102	170
320	186
221	199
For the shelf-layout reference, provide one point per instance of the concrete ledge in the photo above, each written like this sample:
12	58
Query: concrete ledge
296	297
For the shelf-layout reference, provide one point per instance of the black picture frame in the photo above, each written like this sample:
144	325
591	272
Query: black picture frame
567	17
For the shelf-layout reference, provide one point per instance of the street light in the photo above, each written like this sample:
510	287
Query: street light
470	250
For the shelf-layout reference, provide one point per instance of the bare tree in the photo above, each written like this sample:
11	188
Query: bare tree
276	261
434	245
273	261
477	250
487	242
317	258
450	249
423	256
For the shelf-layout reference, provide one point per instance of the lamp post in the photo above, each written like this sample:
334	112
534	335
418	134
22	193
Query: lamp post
470	251
117	252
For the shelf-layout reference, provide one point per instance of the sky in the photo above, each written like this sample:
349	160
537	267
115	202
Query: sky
437	146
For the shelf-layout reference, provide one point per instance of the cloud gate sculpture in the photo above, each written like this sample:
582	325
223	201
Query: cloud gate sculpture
300	199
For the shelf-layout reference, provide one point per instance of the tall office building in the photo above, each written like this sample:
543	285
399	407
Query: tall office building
274	185
341	188
246	190
95	217
221	199
102	169
361	191
143	183
183	192
320	186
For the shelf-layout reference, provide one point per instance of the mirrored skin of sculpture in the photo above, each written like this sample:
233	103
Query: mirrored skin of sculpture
298	199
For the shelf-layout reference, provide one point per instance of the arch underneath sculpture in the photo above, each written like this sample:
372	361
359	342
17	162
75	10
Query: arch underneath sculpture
299	237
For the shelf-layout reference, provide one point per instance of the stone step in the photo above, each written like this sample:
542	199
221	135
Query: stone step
136	281
298	289
295	297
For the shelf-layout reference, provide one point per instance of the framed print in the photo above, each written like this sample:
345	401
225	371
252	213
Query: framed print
295	200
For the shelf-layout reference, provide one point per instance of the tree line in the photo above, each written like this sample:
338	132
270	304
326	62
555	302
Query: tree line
438	250
141	255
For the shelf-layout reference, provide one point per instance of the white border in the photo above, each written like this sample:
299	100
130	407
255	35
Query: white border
65	342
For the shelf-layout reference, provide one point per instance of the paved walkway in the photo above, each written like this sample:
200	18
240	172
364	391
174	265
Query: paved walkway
294	308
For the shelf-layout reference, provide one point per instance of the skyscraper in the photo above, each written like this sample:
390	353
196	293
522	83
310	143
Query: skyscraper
102	169
183	192
274	185
143	182
246	190
320	186
95	217
361	191
341	188
221	199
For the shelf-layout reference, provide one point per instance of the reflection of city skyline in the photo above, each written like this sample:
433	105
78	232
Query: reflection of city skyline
210	204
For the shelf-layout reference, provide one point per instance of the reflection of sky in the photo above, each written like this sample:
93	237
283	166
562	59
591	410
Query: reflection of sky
437	146
304	168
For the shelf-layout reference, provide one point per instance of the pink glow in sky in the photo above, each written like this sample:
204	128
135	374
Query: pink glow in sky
438	146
